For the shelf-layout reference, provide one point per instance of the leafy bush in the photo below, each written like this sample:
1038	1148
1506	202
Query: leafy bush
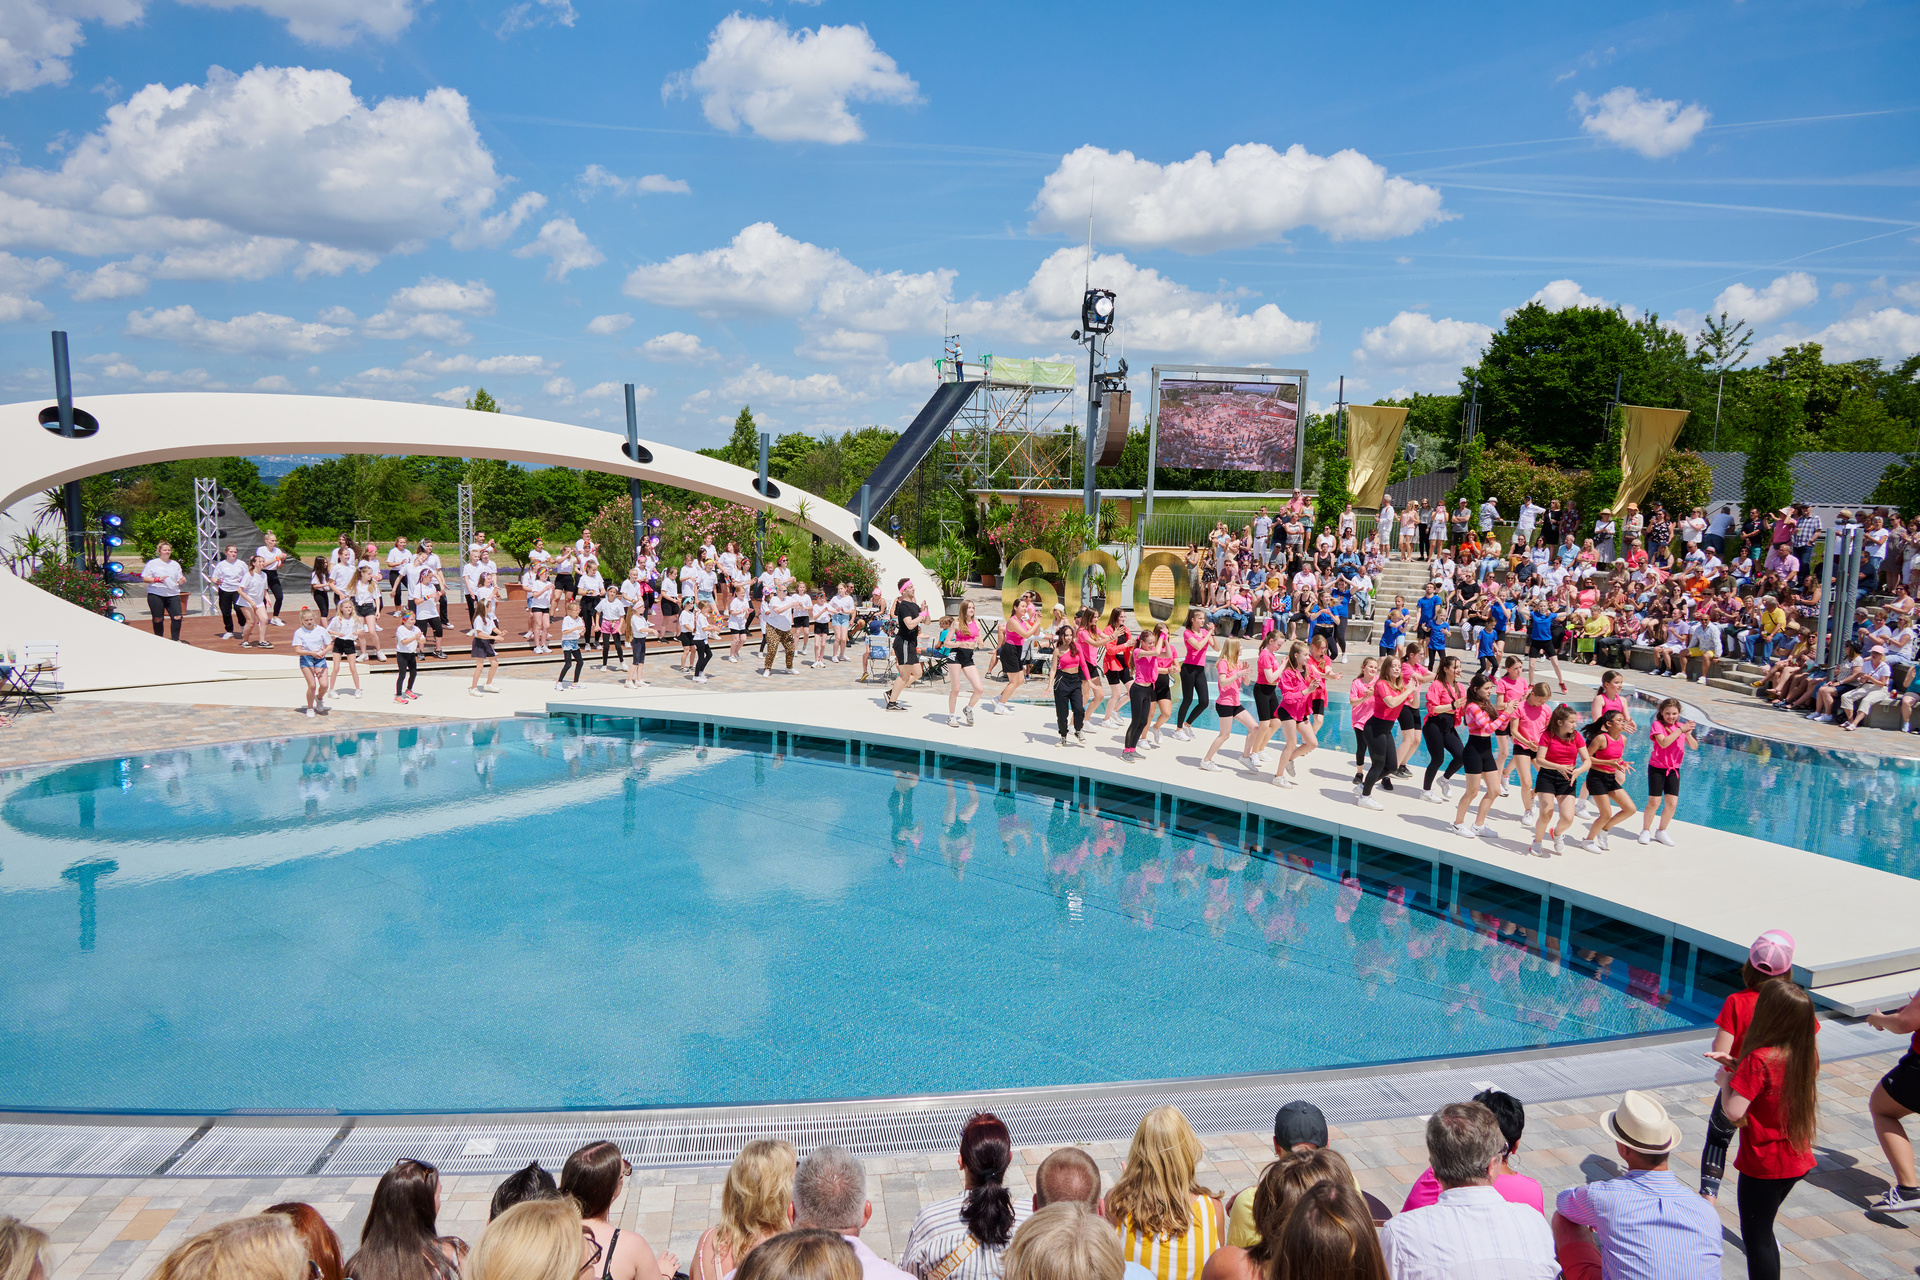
1899	486
156	527
834	564
1683	482
519	536
75	585
1508	475
1333	495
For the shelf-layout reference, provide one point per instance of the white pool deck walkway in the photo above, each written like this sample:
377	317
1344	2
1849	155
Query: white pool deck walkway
1857	929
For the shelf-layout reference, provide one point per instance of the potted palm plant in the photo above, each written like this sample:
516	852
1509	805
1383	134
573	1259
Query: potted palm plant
952	559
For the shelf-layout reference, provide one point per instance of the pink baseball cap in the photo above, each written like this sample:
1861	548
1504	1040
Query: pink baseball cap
1772	953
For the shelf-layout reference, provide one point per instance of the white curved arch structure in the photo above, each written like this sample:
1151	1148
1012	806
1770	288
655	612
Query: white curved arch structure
161	427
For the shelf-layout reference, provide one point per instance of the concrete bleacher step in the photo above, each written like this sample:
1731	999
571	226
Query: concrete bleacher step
1729	684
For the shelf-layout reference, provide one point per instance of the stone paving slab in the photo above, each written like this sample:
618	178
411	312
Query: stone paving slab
119	1229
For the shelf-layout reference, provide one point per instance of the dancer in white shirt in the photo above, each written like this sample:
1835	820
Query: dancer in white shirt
310	642
164	576
253	603
344	627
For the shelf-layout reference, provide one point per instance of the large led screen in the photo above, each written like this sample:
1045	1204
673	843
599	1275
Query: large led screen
1232	426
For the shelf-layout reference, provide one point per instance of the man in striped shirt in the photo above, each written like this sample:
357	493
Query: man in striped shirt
1644	1224
1472	1232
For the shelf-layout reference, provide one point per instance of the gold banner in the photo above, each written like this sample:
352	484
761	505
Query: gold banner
1015	585
1644	443
1373	441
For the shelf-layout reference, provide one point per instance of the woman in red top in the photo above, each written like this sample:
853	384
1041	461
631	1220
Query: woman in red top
1192	645
1232	673
1295	711
1266	696
1444	696
1563	754
1391	693
1607	749
1483	774
1072	658
1116	659
1770	1097
1770	957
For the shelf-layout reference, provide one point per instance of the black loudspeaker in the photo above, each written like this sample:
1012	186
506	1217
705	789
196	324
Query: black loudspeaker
1116	409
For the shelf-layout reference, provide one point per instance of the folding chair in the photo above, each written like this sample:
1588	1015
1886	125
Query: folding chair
31	680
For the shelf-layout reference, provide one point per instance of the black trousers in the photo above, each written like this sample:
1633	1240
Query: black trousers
1440	736
578	658
619	647
1335	632
1760	1200
1426	539
322	601
228	601
1713	1156
1193	685
273	586
1140	707
473	607
1385	755
1066	693
170	606
702	647
408	669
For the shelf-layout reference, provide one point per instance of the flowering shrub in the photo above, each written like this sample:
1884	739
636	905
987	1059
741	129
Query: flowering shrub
834	564
75	585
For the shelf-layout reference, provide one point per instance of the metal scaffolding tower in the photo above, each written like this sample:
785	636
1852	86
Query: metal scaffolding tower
206	543
465	520
1012	433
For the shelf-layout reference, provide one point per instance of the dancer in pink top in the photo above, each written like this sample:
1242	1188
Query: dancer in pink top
1671	738
1151	657
1360	705
1233	674
1266	698
1193	644
964	635
1296	713
1481	721
1606	780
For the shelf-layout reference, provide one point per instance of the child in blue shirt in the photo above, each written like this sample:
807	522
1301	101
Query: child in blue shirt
876	651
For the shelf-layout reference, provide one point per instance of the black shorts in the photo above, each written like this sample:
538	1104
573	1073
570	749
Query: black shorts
1554	783
1163	687
1284	716
1601	783
1266	702
669	608
482	647
1226	710
1528	752
366	610
1478	757
1319	707
822	629
963	657
906	651
1662	782
1539	648
567	582
1010	658
1903	1082
347	647
1117	677
1409	718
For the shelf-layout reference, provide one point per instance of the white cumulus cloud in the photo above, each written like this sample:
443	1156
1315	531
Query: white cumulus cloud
605	325
563	242
273	382
494	231
238	172
436	293
1424	353
19	277
843	346
757	383
262	333
401	326
596	178
428	362
1786	294
1889	333
454	395
1253	194
791	86
1562	295
677	348
1655	127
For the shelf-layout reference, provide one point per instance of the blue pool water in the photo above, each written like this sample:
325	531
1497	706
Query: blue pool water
1856	808
527	915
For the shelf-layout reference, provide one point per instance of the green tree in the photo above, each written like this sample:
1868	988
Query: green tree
1722	344
742	448
1778	413
518	537
1899	486
482	402
786	454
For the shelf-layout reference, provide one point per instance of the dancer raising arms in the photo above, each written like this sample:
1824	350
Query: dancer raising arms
1563	754
1193	643
1151	657
1483	773
1360	709
964	635
1444	695
1391	694
1116	660
1232	673
1607	748
1071	659
1671	738
1013	644
1295	711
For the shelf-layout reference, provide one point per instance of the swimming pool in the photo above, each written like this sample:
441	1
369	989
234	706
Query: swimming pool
1856	808
528	915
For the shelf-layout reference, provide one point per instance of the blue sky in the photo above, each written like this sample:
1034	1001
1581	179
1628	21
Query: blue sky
783	204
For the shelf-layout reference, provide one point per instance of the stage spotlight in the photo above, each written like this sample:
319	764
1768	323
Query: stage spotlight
1096	311
1075	335
1123	367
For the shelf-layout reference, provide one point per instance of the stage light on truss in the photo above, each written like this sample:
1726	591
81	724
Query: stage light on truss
1096	311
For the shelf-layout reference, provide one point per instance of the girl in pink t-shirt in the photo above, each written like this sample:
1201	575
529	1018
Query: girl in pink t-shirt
1671	738
1606	780
1296	712
1232	673
1528	725
1148	704
1266	697
1360	705
1510	690
1192	645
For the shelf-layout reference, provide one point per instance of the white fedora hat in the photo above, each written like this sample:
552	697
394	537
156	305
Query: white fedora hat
1641	1123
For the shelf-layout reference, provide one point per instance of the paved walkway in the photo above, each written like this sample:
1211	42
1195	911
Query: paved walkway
122	1227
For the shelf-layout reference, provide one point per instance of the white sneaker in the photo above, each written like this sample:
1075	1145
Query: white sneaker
1665	838
701	679
1558	847
1286	779
1446	789
1368	802
1099	719
557	686
1646	837
1153	740
275	622
1466	829
475	693
966	713
1079	738
955	722
1604	846
766	671
309	711
1210	766
1431	797
1486	832
1538	849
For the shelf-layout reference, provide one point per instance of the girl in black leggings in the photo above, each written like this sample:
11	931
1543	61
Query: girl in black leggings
1071	662
1390	693
1194	642
1149	660
1772	1089
1444	697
